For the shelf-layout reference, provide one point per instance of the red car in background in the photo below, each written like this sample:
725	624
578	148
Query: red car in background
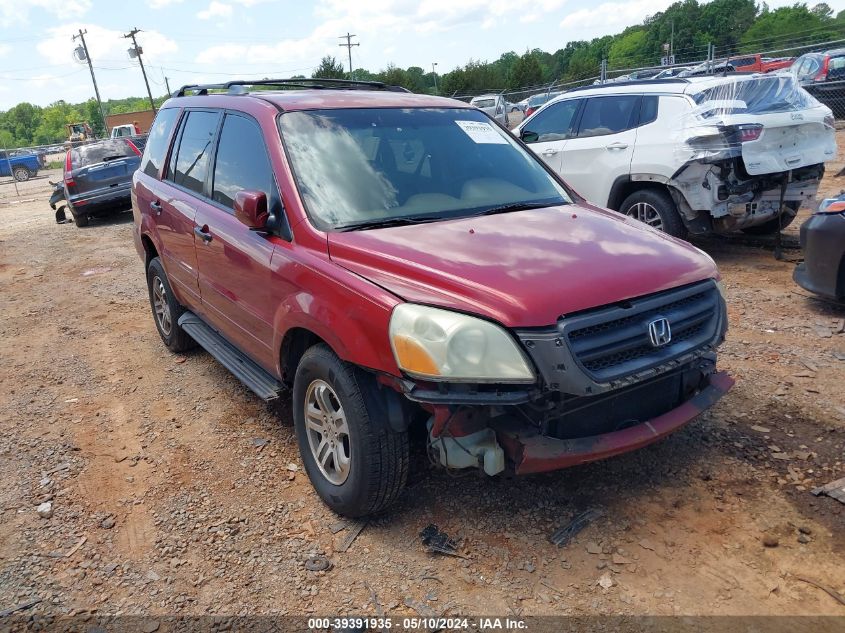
759	64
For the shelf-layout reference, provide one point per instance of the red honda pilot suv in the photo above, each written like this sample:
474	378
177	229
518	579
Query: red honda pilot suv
401	261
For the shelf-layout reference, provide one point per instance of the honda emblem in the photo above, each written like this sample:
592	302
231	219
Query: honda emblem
659	332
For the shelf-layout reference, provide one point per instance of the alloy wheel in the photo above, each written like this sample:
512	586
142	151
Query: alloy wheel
327	431
161	307
645	213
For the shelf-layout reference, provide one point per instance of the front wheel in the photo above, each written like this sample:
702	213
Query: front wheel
655	208
22	174
357	465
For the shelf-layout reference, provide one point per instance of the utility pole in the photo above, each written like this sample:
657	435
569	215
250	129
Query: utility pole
81	36
348	37
672	45
167	83
434	70
137	51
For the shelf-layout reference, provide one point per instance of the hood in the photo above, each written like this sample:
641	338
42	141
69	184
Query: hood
525	268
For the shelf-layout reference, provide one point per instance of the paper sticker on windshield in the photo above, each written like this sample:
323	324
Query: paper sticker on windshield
481	132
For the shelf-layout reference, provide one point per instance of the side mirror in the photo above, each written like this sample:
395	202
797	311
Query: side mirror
251	208
528	136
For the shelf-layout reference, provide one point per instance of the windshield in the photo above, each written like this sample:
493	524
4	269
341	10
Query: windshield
382	165
100	153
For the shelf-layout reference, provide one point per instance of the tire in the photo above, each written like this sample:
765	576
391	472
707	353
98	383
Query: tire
776	225
166	309
22	174
656	208
364	463
79	219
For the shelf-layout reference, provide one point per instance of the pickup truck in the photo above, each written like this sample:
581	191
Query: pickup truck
759	64
21	166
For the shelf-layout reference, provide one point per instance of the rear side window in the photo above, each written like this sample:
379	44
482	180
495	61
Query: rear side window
157	142
648	110
191	164
242	162
609	115
552	124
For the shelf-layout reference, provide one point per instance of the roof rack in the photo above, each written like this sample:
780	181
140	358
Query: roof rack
632	82
238	86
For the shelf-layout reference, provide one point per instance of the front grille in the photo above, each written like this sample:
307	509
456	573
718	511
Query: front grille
613	342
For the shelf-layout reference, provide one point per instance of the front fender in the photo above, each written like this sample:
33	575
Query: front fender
349	313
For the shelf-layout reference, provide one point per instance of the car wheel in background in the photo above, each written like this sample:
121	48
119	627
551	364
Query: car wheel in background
166	309
356	463
22	174
79	219
655	208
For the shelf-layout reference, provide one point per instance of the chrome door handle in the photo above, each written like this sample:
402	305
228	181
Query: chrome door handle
203	233
617	146
550	152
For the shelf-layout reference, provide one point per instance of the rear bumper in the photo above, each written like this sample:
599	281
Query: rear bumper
823	269
531	452
102	197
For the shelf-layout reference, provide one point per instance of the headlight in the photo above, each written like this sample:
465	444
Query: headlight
442	345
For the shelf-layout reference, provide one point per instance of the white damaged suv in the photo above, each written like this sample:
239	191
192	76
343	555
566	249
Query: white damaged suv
700	155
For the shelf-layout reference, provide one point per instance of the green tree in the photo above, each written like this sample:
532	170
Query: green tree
526	72
777	28
329	68
630	50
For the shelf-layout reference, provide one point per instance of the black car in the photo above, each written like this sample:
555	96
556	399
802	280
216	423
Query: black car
98	178
823	242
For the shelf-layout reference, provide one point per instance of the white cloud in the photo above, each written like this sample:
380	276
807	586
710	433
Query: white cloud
161	4
215	10
105	45
377	23
611	17
12	13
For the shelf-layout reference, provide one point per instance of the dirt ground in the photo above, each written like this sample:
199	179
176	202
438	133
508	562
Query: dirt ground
175	491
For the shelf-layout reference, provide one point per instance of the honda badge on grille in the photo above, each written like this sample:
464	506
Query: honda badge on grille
659	332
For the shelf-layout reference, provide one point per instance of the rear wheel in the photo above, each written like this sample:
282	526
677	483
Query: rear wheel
356	463
777	224
655	208
166	309
21	174
79	219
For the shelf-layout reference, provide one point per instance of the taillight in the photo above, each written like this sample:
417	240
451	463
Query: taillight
822	74
750	132
132	145
68	177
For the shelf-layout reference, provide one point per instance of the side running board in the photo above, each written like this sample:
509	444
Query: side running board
249	373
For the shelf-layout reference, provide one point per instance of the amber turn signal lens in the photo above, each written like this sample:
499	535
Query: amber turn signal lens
412	356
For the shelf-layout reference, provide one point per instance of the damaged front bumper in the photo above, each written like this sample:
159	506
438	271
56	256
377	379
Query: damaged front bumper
531	452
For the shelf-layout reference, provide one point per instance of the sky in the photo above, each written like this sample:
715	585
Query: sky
193	41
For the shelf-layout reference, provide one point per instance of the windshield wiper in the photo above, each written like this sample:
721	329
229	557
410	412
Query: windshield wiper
386	222
517	206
